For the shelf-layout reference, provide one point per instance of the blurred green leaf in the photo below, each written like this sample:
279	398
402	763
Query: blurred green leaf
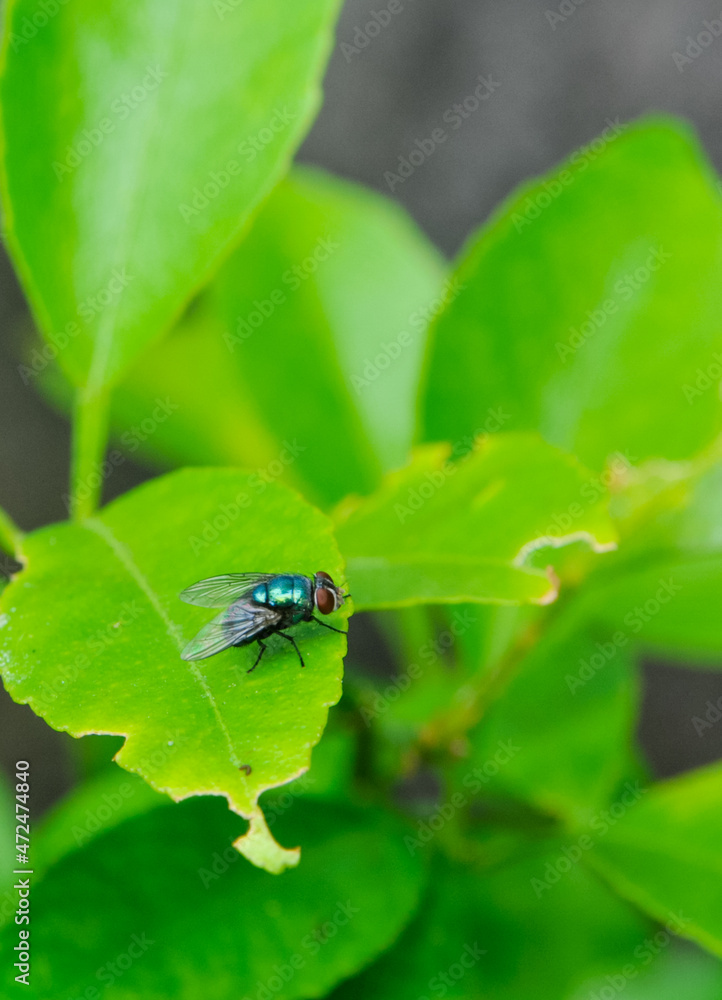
671	606
160	413
431	678
664	854
196	922
137	140
326	320
663	975
490	935
698	525
310	343
94	627
90	810
591	305
431	700
664	586
559	734
330	777
442	531
115	795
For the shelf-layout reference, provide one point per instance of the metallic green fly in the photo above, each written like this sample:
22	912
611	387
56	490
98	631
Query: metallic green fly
256	606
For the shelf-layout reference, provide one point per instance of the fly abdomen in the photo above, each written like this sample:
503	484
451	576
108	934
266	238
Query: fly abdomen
285	591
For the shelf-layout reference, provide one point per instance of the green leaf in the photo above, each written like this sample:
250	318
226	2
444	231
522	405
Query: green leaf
285	345
559	734
489	935
137	140
94	628
673	973
326	321
90	810
664	854
332	772
697	529
664	587
434	674
160	412
670	606
197	923
590	305
442	531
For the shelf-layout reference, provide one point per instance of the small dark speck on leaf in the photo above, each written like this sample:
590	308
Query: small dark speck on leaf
246	768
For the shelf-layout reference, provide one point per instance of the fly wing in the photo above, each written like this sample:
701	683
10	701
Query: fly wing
220	591
229	628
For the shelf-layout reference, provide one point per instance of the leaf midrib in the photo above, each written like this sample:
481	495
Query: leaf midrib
124	556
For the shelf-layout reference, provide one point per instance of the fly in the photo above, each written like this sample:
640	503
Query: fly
256	606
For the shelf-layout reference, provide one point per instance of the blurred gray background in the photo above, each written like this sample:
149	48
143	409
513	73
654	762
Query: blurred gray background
559	71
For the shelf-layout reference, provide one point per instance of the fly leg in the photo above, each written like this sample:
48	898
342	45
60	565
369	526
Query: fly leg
318	620
258	658
293	643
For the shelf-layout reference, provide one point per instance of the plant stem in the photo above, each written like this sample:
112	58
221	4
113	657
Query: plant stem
90	437
486	685
10	534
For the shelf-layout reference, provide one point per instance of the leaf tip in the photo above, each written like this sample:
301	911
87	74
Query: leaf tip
262	850
551	595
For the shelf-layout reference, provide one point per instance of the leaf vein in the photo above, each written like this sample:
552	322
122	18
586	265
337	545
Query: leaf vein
173	630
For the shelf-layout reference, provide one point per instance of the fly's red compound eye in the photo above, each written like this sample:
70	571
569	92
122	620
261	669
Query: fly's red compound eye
324	576
325	600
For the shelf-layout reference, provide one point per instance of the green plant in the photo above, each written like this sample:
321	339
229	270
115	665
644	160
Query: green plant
516	465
